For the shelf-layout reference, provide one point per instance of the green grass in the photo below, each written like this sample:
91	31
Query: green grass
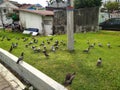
88	76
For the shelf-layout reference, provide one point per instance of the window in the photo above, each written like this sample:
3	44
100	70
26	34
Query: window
4	10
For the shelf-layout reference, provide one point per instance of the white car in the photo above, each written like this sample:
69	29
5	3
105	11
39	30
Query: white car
32	31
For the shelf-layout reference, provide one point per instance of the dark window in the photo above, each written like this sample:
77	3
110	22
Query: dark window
4	10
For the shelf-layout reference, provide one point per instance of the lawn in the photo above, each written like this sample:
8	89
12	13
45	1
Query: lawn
59	63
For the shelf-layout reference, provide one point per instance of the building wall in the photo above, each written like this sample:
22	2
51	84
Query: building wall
29	20
48	25
111	0
8	7
103	17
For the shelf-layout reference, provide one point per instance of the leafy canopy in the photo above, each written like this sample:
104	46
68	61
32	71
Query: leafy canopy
52	1
87	3
110	6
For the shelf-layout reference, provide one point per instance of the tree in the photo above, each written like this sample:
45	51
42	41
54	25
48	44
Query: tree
87	3
111	6
15	17
50	2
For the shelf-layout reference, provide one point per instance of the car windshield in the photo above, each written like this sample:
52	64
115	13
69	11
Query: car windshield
112	20
32	29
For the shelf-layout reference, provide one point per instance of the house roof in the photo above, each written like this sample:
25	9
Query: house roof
7	4
38	5
40	12
25	6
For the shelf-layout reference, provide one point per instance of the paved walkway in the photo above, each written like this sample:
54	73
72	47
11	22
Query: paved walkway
8	81
4	84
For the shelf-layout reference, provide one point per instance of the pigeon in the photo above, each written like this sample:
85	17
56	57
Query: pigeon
48	42
86	50
33	47
42	44
99	62
36	49
26	45
8	39
20	58
100	45
45	53
35	41
44	47
118	45
92	45
108	44
69	78
62	43
14	45
51	38
52	48
31	42
56	47
11	48
56	43
25	39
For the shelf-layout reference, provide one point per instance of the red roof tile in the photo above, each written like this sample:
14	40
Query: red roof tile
40	12
25	6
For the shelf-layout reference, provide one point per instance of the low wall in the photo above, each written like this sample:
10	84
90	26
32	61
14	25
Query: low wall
38	79
86	28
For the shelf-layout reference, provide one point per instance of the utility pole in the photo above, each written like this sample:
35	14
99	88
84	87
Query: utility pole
1	17
70	25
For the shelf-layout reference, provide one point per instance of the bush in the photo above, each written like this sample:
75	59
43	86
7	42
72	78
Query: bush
87	3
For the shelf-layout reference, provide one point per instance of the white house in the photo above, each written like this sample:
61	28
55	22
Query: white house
111	0
40	19
5	8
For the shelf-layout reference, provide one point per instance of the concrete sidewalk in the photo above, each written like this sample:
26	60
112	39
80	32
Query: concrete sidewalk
4	84
8	81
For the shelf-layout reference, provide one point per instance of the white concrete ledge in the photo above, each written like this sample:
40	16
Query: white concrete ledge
38	79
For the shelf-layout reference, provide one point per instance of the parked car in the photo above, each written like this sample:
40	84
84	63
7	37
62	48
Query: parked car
110	24
32	31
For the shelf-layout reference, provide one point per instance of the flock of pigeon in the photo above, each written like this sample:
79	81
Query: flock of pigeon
37	48
90	46
55	45
93	45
